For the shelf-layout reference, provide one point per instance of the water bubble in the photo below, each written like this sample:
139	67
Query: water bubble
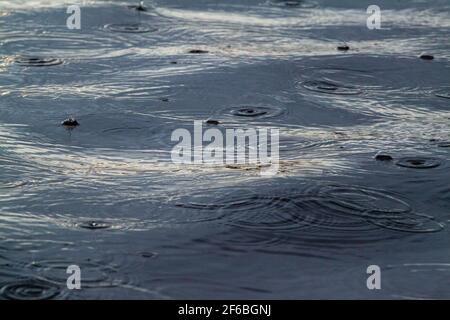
343	47
383	157
425	56
212	122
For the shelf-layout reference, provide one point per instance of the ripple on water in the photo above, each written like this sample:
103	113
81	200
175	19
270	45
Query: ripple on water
26	61
255	112
130	27
418	162
95	274
392	80
84	223
30	289
329	87
318	212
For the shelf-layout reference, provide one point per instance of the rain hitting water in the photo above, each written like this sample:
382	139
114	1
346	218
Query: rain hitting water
86	176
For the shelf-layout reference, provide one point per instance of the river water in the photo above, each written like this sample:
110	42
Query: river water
106	196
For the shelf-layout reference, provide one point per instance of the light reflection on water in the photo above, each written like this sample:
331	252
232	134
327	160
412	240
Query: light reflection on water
105	195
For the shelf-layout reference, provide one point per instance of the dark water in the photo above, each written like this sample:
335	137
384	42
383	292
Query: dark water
106	196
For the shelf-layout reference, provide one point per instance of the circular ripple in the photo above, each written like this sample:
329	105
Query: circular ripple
418	163
37	61
318	212
330	87
95	274
30	289
130	28
248	111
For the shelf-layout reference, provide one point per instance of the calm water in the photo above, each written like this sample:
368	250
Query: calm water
106	196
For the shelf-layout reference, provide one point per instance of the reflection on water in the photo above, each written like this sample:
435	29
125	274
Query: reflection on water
105	195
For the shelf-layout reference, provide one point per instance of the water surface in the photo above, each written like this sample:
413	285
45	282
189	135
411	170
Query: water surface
107	197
